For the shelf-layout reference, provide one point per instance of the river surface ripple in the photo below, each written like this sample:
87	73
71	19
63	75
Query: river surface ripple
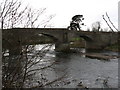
76	68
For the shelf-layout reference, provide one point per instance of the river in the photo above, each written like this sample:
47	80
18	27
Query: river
74	70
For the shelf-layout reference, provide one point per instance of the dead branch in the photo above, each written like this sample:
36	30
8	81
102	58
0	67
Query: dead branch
107	23
43	51
45	22
111	21
40	68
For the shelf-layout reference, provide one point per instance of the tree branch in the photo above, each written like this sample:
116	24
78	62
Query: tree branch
111	21
107	23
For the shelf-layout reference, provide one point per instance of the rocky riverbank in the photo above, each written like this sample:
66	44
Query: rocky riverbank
101	56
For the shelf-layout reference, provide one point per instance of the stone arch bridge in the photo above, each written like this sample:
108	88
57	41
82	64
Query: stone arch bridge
61	36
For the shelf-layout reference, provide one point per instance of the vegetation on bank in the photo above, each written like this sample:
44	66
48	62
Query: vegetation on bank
114	47
80	43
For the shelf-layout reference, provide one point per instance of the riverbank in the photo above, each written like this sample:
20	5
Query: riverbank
81	44
114	48
101	56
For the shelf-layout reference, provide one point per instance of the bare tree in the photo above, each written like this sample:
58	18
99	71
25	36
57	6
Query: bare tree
9	14
18	68
47	20
12	15
96	26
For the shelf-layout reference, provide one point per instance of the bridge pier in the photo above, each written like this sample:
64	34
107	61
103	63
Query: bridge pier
62	47
15	51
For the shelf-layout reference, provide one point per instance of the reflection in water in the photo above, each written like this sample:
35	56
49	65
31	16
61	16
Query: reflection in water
74	66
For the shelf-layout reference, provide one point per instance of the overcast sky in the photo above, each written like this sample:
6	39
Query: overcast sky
92	10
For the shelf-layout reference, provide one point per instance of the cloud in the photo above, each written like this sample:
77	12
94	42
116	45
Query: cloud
65	9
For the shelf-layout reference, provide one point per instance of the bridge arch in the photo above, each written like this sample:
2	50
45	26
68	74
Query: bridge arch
50	36
86	38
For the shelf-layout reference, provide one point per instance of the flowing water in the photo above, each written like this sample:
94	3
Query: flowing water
67	70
